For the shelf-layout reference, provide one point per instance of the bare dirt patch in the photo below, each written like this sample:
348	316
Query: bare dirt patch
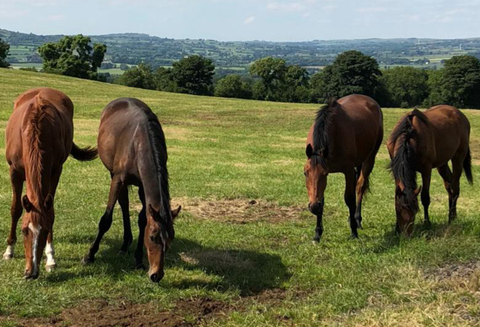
239	211
455	271
100	313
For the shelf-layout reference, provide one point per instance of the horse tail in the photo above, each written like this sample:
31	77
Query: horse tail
85	154
467	167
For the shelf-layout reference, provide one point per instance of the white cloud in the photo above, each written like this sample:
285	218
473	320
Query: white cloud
249	20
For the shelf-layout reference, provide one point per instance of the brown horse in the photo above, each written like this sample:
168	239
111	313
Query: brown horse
132	147
421	142
344	138
39	138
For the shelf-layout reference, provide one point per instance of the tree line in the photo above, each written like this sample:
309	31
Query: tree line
272	79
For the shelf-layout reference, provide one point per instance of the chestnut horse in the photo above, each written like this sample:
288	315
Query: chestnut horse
421	142
39	137
344	138
131	145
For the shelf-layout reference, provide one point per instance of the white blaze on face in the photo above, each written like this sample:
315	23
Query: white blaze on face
36	233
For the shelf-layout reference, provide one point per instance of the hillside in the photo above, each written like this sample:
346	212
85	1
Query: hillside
242	254
134	48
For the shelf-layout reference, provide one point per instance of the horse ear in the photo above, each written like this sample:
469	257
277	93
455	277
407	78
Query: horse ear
26	203
309	151
48	202
176	212
418	190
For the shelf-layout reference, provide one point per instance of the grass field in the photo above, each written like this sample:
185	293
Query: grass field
238	262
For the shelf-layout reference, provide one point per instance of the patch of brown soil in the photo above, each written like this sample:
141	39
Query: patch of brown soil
102	314
239	211
455	271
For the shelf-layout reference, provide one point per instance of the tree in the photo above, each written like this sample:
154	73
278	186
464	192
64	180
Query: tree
296	85
163	79
351	72
73	56
140	76
461	82
405	86
232	86
193	75
272	73
435	88
4	49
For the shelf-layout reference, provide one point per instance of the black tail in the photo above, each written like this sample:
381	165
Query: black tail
467	167
85	154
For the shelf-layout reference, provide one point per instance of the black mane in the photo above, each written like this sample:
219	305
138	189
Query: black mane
320	131
403	165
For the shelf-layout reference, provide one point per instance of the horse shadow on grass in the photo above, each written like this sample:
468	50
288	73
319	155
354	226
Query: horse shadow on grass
250	272
437	230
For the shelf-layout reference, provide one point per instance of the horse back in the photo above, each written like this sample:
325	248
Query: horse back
57	136
450	130
361	128
121	133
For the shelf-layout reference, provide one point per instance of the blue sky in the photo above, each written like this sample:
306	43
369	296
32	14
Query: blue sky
271	20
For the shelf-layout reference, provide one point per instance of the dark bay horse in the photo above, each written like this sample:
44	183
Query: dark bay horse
344	138
131	145
421	142
39	137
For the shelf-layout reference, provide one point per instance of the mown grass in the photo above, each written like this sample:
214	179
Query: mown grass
238	149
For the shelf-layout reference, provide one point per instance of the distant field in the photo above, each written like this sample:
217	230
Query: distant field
238	262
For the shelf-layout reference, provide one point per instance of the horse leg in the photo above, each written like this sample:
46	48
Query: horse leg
457	167
319	228
350	200
446	175
16	209
106	220
49	250
362	186
127	228
142	223
426	176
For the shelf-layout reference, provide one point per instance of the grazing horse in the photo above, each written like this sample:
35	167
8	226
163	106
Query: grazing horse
421	142
39	138
344	138
131	145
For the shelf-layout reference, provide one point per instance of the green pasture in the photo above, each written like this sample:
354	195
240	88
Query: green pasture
223	153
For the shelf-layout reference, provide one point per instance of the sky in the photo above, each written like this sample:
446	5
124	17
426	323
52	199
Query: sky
243	20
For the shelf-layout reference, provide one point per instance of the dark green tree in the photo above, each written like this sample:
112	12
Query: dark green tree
73	56
4	49
435	88
461	82
351	72
296	85
163	79
193	75
272	73
140	76
405	86
232	86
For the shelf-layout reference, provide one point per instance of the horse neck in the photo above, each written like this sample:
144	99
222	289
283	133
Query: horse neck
404	162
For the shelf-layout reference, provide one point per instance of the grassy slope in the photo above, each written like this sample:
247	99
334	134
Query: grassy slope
235	149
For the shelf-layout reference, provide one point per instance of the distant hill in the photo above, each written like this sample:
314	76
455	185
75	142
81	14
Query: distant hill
133	48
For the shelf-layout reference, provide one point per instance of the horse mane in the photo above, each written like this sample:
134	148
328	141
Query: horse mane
321	141
403	164
159	152
34	164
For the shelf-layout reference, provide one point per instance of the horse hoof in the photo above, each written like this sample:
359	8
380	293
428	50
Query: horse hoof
354	236
86	260
50	268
